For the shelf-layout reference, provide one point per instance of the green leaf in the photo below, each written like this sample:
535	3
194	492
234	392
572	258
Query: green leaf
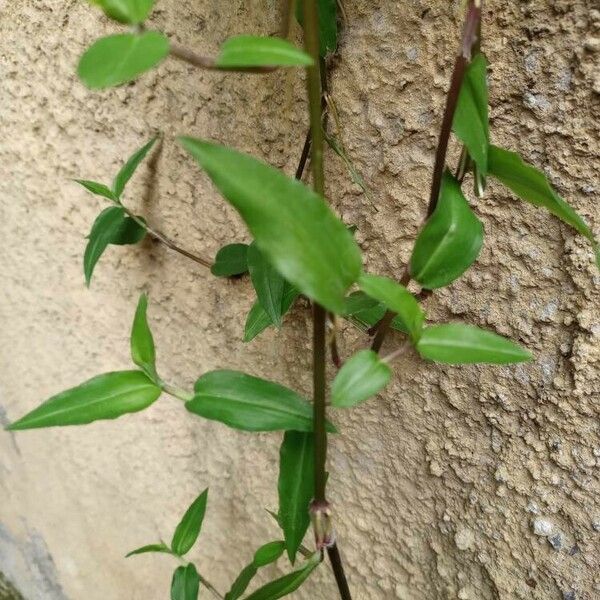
358	302
531	185
294	227
112	226
328	29
470	122
242	581
185	583
96	188
258	320
255	51
268	283
450	240
362	310
129	168
397	299
457	344
264	556
106	396
126	11
131	232
250	403
295	487
365	312
361	377
117	59
268	553
288	583
187	531
150	548
231	260
142	343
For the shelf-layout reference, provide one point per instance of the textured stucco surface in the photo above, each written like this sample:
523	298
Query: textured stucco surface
441	483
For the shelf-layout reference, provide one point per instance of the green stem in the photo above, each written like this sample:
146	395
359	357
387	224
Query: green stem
470	41
311	35
176	392
315	79
157	235
211	588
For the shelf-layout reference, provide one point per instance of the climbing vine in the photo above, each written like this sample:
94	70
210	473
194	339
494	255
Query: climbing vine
299	248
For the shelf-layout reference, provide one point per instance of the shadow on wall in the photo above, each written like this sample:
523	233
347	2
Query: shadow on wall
27	564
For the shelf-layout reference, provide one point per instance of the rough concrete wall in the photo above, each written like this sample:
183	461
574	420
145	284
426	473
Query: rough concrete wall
440	483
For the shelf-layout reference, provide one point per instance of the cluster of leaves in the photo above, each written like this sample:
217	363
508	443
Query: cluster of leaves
528	183
299	246
120	58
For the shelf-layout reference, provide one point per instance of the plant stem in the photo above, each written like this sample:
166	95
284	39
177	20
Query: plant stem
311	34
315	79
383	326
211	588
176	392
469	42
206	62
157	235
469	38
338	570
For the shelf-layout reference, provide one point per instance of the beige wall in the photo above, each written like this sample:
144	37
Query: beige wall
437	483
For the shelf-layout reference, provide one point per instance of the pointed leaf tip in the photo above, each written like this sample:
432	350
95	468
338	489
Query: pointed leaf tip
456	344
129	168
188	529
450	241
295	487
293	227
106	396
248	51
143	352
361	377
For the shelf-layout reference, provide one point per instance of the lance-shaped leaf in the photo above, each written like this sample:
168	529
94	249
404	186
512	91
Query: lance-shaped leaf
288	583
187	531
295	487
96	188
531	185
231	260
268	284
328	29
129	168
396	298
126	11
470	122
162	547
264	556
120	58
294	227
250	403
142	343
258	320
106	396
449	242
185	583
268	553
248	51
458	344
361	377
112	226
242	581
